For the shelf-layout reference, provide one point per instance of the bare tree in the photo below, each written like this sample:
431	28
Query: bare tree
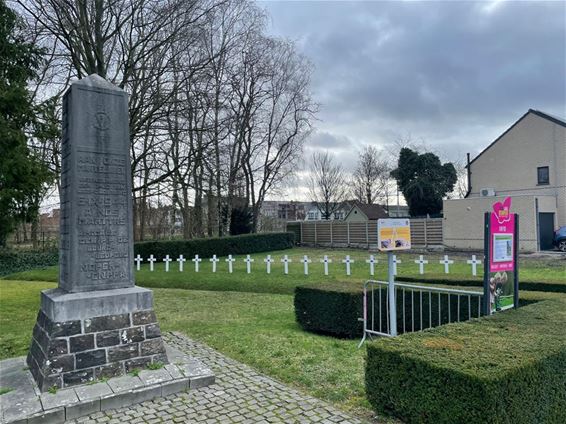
461	186
328	188
218	110
281	119
371	176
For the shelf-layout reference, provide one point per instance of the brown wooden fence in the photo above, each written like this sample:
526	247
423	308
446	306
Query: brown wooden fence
425	232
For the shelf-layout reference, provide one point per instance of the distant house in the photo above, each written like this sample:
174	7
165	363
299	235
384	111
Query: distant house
313	213
274	214
397	211
361	212
528	163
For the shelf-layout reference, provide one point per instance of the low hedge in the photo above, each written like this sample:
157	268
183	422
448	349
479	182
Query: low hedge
331	309
220	246
523	285
507	368
335	309
12	261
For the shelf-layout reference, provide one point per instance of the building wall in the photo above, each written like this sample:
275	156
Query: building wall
463	220
510	165
356	217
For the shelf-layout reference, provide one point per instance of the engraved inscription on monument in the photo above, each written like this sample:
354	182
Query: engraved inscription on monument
96	232
102	220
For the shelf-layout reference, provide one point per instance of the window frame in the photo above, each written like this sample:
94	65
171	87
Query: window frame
539	181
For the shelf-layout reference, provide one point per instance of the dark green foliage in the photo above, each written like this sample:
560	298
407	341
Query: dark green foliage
424	181
508	368
22	175
295	228
241	221
16	261
541	286
220	246
330	309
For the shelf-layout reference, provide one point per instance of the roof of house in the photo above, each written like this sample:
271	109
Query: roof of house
551	118
372	212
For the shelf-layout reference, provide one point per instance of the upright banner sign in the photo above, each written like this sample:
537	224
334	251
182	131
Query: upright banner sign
501	272
393	234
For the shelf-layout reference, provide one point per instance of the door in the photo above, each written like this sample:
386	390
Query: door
546	230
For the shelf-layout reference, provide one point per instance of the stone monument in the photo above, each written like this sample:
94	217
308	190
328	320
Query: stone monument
97	323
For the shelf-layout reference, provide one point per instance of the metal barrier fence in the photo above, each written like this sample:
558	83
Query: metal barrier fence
416	307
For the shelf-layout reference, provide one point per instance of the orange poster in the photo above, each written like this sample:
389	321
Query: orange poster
394	234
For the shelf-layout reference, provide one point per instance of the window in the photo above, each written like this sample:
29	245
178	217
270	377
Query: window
311	215
543	175
338	215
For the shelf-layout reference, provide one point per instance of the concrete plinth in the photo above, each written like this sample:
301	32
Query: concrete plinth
88	336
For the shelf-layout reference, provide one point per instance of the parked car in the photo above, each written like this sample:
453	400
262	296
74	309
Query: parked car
560	238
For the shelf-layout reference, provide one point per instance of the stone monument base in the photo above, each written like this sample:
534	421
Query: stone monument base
88	336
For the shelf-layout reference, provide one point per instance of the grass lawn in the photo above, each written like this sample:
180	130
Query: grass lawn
258	329
255	328
551	272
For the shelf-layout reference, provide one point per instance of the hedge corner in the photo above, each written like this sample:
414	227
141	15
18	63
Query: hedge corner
507	368
333	309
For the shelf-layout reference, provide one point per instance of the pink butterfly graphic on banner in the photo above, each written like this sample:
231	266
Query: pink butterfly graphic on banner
501	210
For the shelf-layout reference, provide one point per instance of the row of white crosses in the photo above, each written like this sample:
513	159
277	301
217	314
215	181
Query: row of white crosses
372	261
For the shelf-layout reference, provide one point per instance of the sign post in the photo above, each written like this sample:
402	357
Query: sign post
393	235
501	246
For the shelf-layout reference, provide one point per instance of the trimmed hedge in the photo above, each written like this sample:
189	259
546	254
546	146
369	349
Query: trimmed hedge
507	368
523	285
220	246
12	261
331	309
335	309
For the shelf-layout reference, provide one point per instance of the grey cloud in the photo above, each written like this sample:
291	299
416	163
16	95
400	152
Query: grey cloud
453	73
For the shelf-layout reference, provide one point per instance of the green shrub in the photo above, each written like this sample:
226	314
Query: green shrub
507	368
295	228
12	261
542	286
336	309
330	309
220	246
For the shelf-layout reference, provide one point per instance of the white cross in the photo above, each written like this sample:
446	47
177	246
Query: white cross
180	259
306	261
151	260
371	261
326	260
285	262
348	261
268	261
214	259
167	259
395	262
248	262
230	259
474	262
446	263
138	260
196	260
421	261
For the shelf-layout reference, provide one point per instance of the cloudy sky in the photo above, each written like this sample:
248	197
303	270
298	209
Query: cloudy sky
451	74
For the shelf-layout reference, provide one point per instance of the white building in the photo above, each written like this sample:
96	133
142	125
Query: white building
528	163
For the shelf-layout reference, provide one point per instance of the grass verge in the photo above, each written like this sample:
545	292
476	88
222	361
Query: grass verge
538	275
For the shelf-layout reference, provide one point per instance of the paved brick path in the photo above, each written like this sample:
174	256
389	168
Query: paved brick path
240	395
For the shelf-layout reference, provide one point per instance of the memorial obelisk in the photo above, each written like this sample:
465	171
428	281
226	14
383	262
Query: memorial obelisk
97	323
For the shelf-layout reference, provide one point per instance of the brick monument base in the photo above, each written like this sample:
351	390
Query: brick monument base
87	336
